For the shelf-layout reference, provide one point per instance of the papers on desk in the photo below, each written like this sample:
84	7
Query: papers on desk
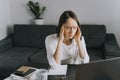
39	74
60	70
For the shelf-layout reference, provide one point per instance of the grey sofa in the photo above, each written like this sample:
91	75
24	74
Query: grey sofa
26	46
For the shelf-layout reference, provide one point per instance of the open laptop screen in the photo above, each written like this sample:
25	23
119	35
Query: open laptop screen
100	70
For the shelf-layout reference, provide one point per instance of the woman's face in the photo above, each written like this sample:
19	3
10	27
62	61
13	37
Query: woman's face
70	28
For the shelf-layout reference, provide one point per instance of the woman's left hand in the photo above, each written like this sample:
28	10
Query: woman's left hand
77	35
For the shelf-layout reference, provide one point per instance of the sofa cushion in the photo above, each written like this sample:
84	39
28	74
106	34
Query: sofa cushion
22	52
9	64
95	54
32	35
15	57
39	57
94	35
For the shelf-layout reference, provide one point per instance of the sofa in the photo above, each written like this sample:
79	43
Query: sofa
26	46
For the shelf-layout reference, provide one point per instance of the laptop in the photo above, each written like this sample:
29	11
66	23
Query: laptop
108	69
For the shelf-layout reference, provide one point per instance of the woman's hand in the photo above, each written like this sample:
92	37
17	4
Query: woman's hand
77	39
61	37
77	35
57	51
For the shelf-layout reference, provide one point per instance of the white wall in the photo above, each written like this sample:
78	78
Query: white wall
89	12
4	18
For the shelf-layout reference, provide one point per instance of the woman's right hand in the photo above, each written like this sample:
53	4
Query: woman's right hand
61	37
57	51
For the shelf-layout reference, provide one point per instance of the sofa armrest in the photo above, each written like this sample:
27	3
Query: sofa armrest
6	43
111	46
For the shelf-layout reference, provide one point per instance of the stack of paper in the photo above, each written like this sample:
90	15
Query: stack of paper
15	77
60	70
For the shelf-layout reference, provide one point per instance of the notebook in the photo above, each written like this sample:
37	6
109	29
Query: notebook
24	71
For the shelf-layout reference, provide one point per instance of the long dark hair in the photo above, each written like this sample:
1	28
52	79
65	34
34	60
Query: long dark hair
63	18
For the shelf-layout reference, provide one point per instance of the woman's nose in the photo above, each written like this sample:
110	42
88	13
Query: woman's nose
71	30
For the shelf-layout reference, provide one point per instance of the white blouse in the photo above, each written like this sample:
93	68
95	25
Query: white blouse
68	53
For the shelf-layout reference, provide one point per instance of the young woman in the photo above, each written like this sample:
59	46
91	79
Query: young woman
68	45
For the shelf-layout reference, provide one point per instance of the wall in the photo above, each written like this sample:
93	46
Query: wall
4	18
89	12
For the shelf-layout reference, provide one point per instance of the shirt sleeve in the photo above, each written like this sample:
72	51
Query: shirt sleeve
51	44
86	58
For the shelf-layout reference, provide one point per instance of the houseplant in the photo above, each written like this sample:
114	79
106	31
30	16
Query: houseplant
37	10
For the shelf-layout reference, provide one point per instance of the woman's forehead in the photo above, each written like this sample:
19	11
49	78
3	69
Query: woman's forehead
71	22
